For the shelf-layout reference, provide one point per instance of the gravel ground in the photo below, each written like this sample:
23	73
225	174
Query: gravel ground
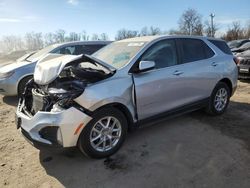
193	150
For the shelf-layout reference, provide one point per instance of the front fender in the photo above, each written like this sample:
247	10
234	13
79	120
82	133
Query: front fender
112	90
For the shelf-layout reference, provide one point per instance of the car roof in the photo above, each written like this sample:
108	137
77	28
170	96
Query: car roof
100	42
239	40
159	37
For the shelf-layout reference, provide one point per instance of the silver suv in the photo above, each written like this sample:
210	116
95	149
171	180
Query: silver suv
92	101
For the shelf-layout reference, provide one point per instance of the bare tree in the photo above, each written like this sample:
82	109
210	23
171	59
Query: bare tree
12	43
123	34
73	36
49	38
190	23
60	36
154	31
145	31
84	36
33	41
95	37
174	32
247	30
104	36
234	32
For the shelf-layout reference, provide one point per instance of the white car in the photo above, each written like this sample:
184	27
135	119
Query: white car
14	76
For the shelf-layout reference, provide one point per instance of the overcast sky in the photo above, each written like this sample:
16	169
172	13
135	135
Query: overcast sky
98	16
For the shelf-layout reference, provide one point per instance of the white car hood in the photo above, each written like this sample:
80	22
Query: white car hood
49	67
13	66
244	54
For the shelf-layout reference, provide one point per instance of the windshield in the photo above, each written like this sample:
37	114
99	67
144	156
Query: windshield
118	54
235	43
41	52
246	45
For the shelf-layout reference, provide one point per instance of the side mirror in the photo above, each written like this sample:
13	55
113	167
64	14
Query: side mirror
146	65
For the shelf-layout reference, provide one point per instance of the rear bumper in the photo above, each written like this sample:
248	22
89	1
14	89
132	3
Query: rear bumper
63	124
244	76
244	71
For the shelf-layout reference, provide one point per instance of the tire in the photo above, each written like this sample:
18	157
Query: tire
213	107
21	85
99	134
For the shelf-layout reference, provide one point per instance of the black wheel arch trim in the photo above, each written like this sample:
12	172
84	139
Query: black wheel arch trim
229	84
121	107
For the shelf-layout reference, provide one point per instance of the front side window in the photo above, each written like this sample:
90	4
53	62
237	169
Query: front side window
162	53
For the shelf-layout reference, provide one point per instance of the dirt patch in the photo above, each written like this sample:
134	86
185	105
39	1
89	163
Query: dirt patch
194	150
116	163
236	121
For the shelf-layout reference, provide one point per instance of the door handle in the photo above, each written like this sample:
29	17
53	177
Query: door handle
177	73
214	64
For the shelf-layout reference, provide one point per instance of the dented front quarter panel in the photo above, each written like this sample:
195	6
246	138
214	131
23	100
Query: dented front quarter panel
116	89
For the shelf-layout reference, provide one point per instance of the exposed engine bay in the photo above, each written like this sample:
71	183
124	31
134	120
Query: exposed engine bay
70	84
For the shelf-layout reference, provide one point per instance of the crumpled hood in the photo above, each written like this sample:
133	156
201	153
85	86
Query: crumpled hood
49	67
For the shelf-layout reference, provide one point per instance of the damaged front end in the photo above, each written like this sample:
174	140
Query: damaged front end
55	87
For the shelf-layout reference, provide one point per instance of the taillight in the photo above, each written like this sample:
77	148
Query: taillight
236	60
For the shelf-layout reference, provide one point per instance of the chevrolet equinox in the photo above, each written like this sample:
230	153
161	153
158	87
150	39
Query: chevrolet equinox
91	101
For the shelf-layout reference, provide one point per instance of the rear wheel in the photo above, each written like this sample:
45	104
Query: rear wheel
219	99
104	134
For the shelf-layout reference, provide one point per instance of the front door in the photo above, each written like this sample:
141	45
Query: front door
159	89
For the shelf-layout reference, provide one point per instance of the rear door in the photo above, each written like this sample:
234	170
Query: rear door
198	66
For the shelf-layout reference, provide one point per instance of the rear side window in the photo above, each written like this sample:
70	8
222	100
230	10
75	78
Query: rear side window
222	46
68	50
194	50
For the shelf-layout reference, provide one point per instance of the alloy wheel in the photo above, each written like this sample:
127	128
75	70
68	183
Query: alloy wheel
105	134
220	100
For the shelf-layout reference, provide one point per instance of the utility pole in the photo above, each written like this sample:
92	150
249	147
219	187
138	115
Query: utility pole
212	24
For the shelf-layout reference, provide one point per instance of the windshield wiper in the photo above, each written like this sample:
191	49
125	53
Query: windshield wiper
27	59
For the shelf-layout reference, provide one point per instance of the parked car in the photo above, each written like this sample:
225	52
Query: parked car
242	48
244	64
14	76
237	43
92	101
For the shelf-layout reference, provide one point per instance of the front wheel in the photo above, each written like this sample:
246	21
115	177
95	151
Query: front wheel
219	99
104	134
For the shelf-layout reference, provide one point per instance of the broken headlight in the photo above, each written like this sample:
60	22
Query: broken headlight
62	97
